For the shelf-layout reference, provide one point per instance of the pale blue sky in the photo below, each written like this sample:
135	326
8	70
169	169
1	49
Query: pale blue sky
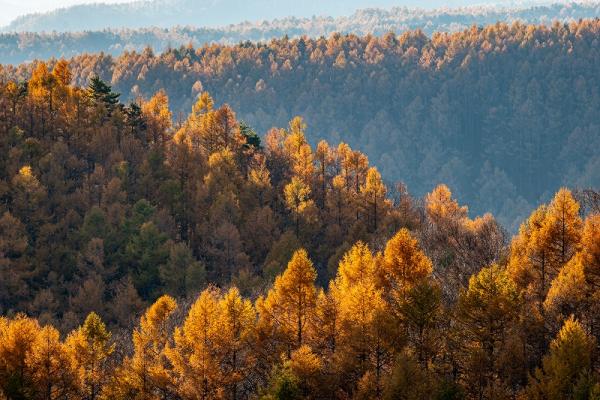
14	8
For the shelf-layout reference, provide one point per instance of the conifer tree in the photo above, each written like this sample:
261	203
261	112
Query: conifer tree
53	373
145	374
236	328
297	197
575	291
546	242
90	349
421	312
567	364
17	340
252	140
404	265
157	118
364	320
440	205
290	305
374	192
196	369
101	93
42	87
324	157
487	311
29	193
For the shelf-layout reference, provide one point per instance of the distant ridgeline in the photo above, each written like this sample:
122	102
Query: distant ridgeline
504	114
70	34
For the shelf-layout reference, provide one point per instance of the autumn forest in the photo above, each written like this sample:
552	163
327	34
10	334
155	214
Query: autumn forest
150	254
504	114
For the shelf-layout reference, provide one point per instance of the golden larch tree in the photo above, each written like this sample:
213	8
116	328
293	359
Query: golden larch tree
158	118
18	337
290	305
562	227
565	367
403	266
54	374
487	312
196	370
145	375
546	242
325	159
236	329
374	193
90	350
297	198
365	324
440	205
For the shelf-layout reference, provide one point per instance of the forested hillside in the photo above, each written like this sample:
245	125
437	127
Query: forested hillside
504	114
27	43
271	269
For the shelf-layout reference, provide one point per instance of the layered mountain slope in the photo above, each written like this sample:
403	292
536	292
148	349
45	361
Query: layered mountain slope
167	13
503	114
20	47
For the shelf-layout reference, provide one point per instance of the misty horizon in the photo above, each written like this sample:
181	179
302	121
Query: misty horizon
15	11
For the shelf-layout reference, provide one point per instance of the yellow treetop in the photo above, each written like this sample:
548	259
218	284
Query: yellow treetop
356	267
292	301
194	359
158	117
62	72
41	82
562	227
53	370
146	372
203	105
307	367
297	198
440	205
545	243
404	264
569	359
523	253
297	126
89	348
362	309
17	339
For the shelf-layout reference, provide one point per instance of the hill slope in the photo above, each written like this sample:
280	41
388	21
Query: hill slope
20	47
505	114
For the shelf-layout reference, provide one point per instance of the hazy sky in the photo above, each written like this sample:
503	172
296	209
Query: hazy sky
13	8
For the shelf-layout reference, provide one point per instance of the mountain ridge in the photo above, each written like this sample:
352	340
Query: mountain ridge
167	13
16	48
216	13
